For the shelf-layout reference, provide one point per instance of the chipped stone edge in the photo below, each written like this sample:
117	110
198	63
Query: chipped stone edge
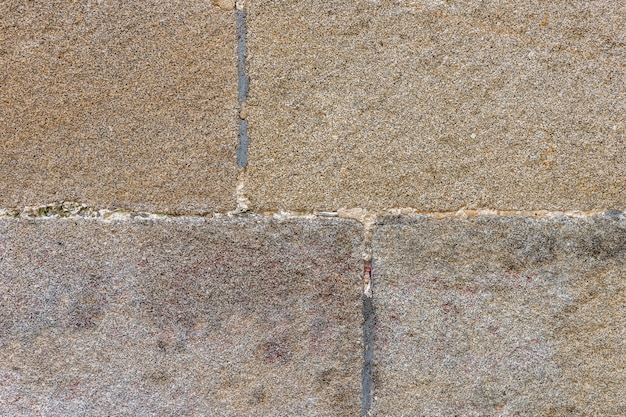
242	201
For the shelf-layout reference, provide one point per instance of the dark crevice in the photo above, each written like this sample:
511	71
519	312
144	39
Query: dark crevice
242	84
369	317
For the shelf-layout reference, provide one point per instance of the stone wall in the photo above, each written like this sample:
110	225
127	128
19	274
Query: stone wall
312	208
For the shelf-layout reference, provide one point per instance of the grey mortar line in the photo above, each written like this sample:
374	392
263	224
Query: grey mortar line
242	85
369	327
368	220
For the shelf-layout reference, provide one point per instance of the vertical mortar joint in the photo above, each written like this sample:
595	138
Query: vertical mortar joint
242	84
369	322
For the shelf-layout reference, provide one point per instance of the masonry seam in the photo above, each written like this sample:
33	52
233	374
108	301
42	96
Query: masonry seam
369	327
242	84
366	217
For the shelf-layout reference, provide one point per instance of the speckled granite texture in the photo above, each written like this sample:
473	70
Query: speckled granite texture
500	317
188	317
118	104
143	273
438	105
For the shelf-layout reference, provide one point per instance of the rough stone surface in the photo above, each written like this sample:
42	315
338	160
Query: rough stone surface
118	104
181	317
438	105
500	316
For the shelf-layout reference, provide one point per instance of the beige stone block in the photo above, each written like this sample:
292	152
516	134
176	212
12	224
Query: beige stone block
187	317
500	316
127	104
437	105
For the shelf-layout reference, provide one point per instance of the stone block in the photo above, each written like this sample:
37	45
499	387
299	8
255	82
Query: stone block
436	105
500	316
129	104
185	317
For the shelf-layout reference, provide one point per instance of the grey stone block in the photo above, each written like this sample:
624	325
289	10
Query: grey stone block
437	105
127	104
500	316
183	317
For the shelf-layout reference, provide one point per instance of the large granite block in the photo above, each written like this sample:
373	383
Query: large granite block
128	104
500	316
180	318
437	105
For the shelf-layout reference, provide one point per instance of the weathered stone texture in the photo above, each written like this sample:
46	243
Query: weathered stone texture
118	104
437	104
500	317
180	317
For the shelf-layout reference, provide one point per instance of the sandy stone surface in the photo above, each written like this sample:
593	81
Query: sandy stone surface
500	317
180	318
127	104
437	104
